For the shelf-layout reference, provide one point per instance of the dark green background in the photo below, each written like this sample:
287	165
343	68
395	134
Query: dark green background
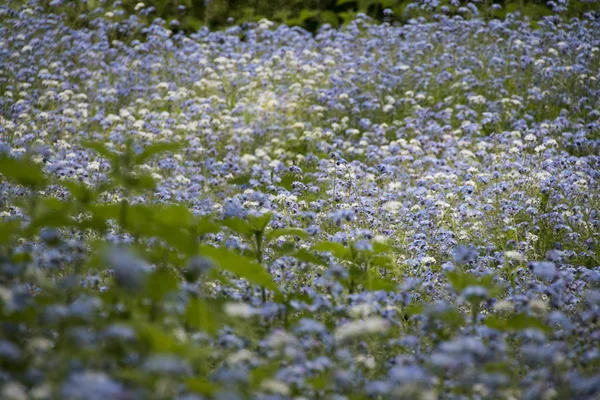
191	15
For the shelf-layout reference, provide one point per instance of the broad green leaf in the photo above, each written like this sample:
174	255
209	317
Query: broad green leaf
306	14
158	340
286	249
414	309
320	382
259	374
287	179
102	150
79	190
259	223
379	247
8	230
22	172
202	386
155	149
173	215
204	226
240	180
134	376
137	183
243	267
377	283
239	226
160	283
51	212
382	261
276	233
239	265
200	314
460	280
329	17
449	316
306	256
515	322
337	249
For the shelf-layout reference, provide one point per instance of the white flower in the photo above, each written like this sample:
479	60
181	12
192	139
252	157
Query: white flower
504	305
392	207
514	255
367	361
275	386
94	166
240	310
427	260
361	310
240	356
361	327
538	306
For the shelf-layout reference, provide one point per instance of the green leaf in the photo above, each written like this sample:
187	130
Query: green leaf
337	249
373	283
239	226
259	223
173	215
138	183
240	180
155	149
306	256
287	179
515	322
48	207
329	17
202	386
239	265
260	373
460	280
158	340
200	314
320	382
8	230
22	172
379	247
450	316
102	150
193	22
276	233
306	14
382	261
160	283
286	249
79	190
205	225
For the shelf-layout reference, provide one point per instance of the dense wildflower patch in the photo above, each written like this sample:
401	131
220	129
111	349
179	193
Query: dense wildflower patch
374	211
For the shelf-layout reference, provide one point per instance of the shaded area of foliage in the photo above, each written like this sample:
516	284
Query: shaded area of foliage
191	15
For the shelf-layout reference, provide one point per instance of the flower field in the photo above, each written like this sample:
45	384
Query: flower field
371	212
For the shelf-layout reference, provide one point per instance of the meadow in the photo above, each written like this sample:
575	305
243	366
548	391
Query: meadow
375	211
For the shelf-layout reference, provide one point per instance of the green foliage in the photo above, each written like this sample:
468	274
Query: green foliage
203	315
461	280
22	171
516	322
309	14
240	266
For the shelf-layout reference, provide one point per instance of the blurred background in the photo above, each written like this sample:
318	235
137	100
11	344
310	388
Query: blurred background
191	15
